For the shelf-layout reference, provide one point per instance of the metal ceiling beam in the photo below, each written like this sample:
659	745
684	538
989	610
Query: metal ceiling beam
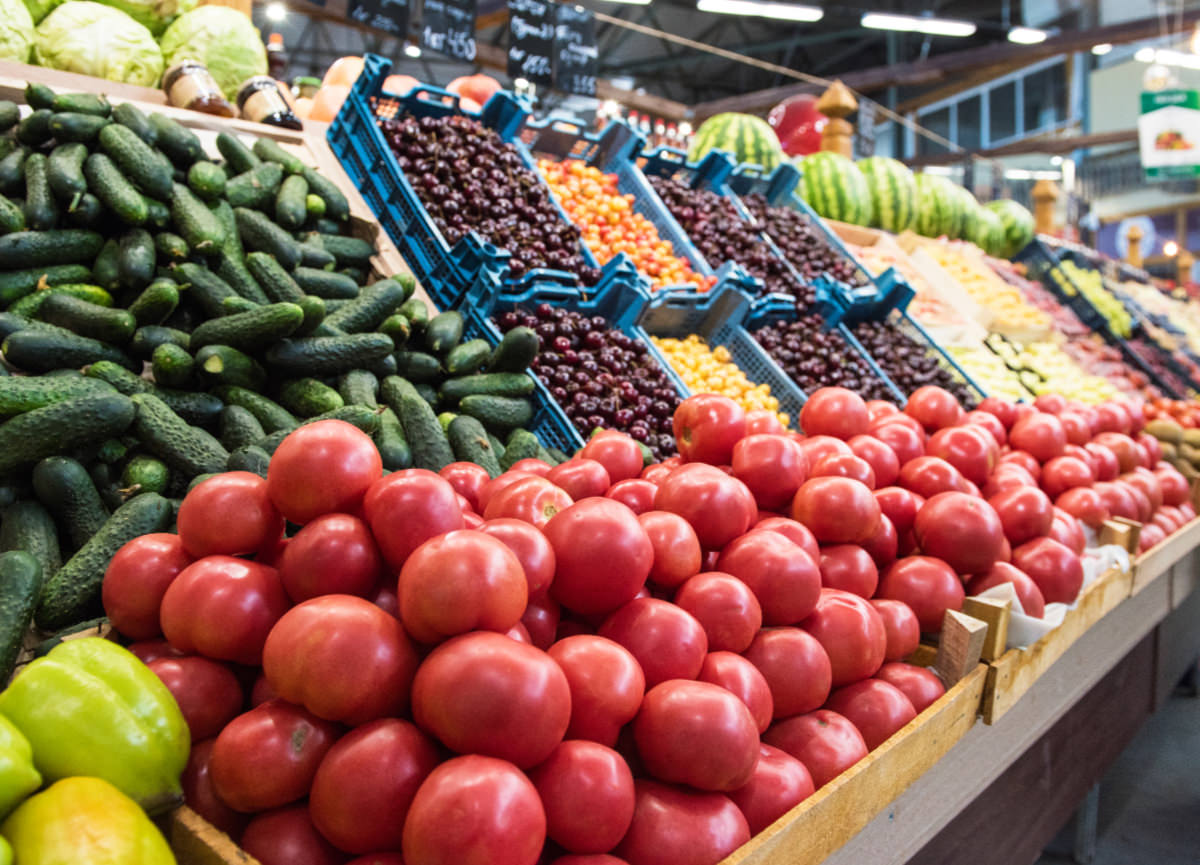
752	49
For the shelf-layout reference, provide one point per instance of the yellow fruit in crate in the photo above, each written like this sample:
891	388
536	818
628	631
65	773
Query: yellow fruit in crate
712	370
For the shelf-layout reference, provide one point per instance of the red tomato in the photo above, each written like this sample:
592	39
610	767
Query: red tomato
850	568
1076	427
1152	445
851	633
151	650
922	687
208	694
1055	569
1008	476
287	837
1027	591
223	608
1064	473
261	691
587	791
1023	460
467	479
475	809
706	427
617	452
667	641
795	532
933	407
905	441
1051	403
267	757
990	422
534	500
725	607
796	667
532	466
229	514
877	708
816	448
1004	410
540	619
928	585
570	859
1175	491
495	485
603	556
878	408
845	466
884	464
772	466
365	784
779	783
580	478
742	679
1041	435
1117	498
961	530
763	421
656	473
928	476
1111	417
1150	535
675	826
341	456
1106	465
1146	481
1067	531
825	742
884	547
968	448
1025	512
483	693
637	495
834	411
784	578
136	580
676	547
837	510
718	506
1083	503
406	509
458	582
901	627
900	506
530	547
335	554
606	683
378	859
199	795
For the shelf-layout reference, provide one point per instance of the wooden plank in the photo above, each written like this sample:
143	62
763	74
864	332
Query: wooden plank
73	81
195	841
996	614
1016	671
1160	558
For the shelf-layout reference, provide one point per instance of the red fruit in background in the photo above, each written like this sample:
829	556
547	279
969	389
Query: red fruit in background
603	556
287	836
1067	531
1007	477
884	547
1084	504
1041	435
796	668
1122	446
928	476
706	427
878	709
580	478
606	683
1118	499
617	452
1151	444
825	742
725	607
199	795
1051	403
1143	505
742	679
1004	410
1025	512
1055	569
530	547
675	826
906	443
763	421
407	508
922	687
478	87
676	548
1146	481
136	580
845	466
335	554
900	626
667	641
531	466
467	479
968	448
795	532
718	506
883	460
834	411
1064	473
533	499
636	494
837	510
878	408
782	576
850	568
963	531
475	809
771	466
229	514
1075	425
493	487
208	693
1174	486
852	634
798	124
1027	591
928	585
341	455
587	792
989	422
1023	460
933	407
1105	462
816	448
1112	417
899	505
779	783
1149	536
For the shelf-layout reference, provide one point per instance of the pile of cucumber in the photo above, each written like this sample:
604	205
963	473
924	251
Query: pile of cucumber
166	314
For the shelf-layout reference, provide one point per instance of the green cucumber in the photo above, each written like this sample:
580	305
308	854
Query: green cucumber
290	208
430	448
30	304
156	302
41	208
11	322
270	151
87	211
207	180
233	242
256	187
28	526
77	127
326	355
38	95
314	206
221	364
337	207
359	387
239	157
41	351
355	415
107	183
232	269
426	392
391	443
349	251
148	169
373	304
250	330
234	305
158	215
64	486
180	144
513	384
325	283
239	428
497	412
113	326
171	248
12	172
417	313
22	393
12	216
172	366
10	115
94	104
21	581
64	170
205	288
444	332
314	316
106	267
315	256
398	327
270	414
469	441
468	357
165	434
249	458
62	426
275	281
131	117
418	367
521	445
34	129
260	234
306	397
149	337
516	351
137	259
198	225
144	474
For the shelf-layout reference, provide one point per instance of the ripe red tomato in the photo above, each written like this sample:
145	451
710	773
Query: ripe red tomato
1067	531
495	485
541	619
484	693
742	679
322	468
1064	473
834	411
1027	591
606	684
845	466
933	407
796	667
1146	481
772	466
850	568
783	577
928	476
825	742
675	826
136	580
718	506
1055	569
763	421
676	547
1105	463
962	530
968	448
885	546
883	460
229	514
901	627
531	548
1025	512
877	408
1152	445
816	448
837	510
922	687
779	783
533	499
706	427
795	532
878	709
900	506
990	422
580	478
333	554
287	836
208	693
267	757
1085	504
1004	410
928	585
1174	486
667	641
223	608
905	441
725	607
603	556
467	479
199	795
852	634
151	650
587	791
475	809
1076	427
406	509
531	466
1117	499
458	582
636	494
1150	535
617	452
1041	435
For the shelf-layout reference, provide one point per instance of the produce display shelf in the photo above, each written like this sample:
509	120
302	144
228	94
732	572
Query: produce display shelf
1164	556
195	841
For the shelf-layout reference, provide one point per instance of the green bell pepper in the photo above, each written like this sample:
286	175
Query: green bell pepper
18	778
91	708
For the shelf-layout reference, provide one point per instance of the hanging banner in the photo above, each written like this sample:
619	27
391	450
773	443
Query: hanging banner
448	27
575	53
531	25
1169	133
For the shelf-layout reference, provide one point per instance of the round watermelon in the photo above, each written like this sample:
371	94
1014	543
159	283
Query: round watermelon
968	205
1018	226
834	187
893	192
939	207
746	137
987	231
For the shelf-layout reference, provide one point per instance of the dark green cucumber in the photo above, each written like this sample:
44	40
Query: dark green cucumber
313	255
558	456
34	129
205	288
314	316
12	172
233	242
326	355
239	428
337	207
358	274
239	157
306	397
468	357
28	526
430	448
497	412
113	326
111	450
221	364
180	144
274	280
250	330
373	304
21	581
137	259
270	151
22	393
171	247
64	170
39	96
156	302
149	337
325	283
398	327
260	234
41	351
391	443
144	474
355	415
12	216
64	486
269	413
359	387
521	445
418	367
74	126
207	180
444	331
142	164
10	115
165	434
469	441
250	458
256	187
513	384
551	460
94	104
106	182
234	305
232	269
30	304
498	449
106	267
73	593
349	251
11	322
131	117
172	366
516	351
290	208
62	426
417	313
195	223
41	208
158	215
87	211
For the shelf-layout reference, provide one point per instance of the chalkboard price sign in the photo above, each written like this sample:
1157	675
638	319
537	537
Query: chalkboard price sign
448	27
387	16
531	27
575	54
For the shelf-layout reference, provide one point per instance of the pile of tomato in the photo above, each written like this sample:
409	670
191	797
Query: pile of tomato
603	661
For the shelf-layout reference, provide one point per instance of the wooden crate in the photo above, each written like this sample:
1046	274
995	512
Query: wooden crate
1162	557
195	841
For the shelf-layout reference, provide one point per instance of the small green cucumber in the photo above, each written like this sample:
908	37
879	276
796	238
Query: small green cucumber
269	413
41	208
27	525
391	443
239	428
168	436
260	234
172	366
274	280
144	474
207	180
359	387
270	151
107	183
113	326
142	164
238	156
223	365
468	357
131	117
65	488
306	397
198	225
137	259
156	302
290	208
74	126
64	170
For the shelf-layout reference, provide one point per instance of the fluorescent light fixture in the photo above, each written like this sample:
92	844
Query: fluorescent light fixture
1026	174
1170	249
631	2
1102	49
1056	160
782	11
1027	35
413	51
942	170
276	12
915	24
1167	57
1145	55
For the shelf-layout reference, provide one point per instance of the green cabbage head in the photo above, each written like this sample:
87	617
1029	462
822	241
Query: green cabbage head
93	39
16	31
221	38
39	9
154	15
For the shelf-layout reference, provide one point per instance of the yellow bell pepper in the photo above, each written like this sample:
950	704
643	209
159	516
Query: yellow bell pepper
84	820
18	778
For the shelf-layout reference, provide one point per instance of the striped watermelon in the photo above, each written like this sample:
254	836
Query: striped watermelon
834	187
746	137
939	207
987	231
893	192
968	206
1018	226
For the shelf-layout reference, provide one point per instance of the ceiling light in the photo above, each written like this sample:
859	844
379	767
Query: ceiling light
276	12
1145	55
1056	160
1102	49
631	2
1027	35
914	24
782	11
1168	57
1170	249
411	50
